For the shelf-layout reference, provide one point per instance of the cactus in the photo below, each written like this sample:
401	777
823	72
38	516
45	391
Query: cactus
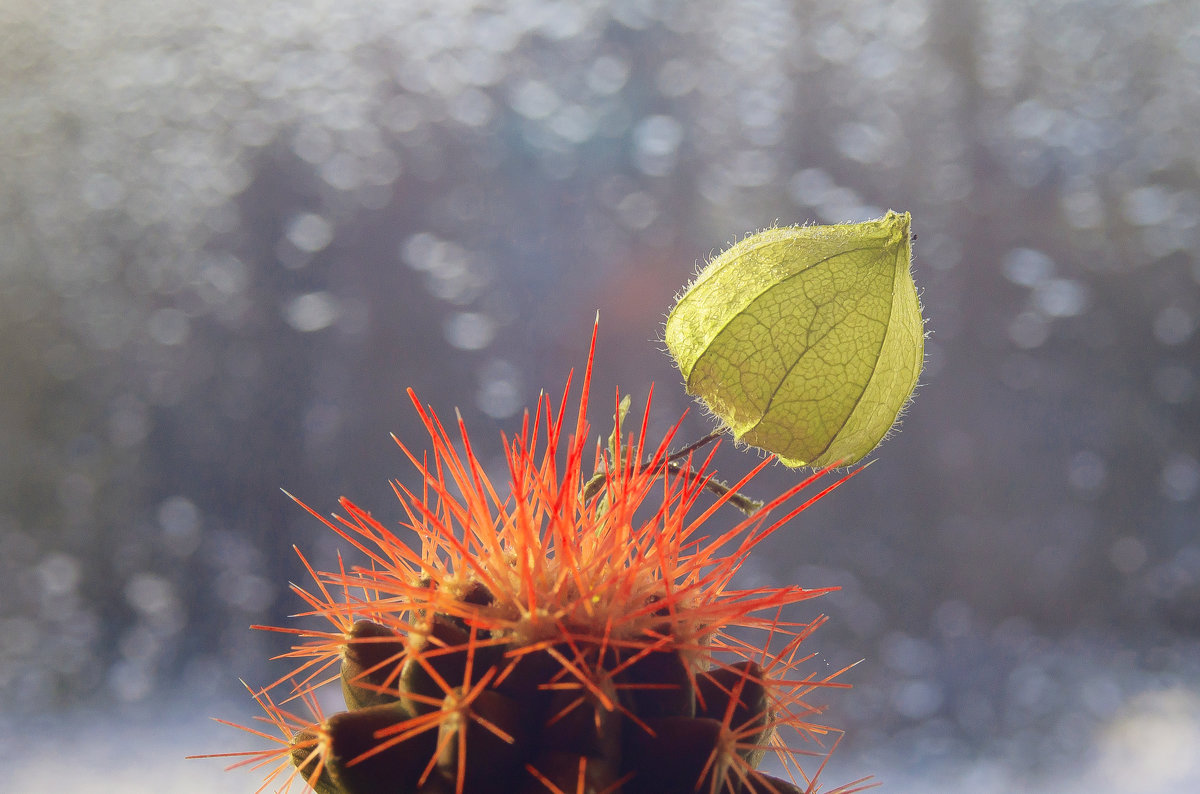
568	636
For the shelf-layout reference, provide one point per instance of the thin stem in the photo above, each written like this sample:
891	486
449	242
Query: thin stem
741	502
711	437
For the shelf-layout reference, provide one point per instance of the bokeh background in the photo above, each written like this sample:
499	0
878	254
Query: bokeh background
233	233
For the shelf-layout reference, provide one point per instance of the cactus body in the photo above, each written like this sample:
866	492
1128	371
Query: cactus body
562	634
641	730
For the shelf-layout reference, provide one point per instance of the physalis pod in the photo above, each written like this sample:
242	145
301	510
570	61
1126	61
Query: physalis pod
806	341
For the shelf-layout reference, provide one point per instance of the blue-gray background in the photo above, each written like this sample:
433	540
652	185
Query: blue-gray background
232	234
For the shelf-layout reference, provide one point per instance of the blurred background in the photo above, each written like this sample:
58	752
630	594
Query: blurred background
232	234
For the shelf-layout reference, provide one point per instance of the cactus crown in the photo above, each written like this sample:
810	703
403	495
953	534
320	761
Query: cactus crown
558	635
